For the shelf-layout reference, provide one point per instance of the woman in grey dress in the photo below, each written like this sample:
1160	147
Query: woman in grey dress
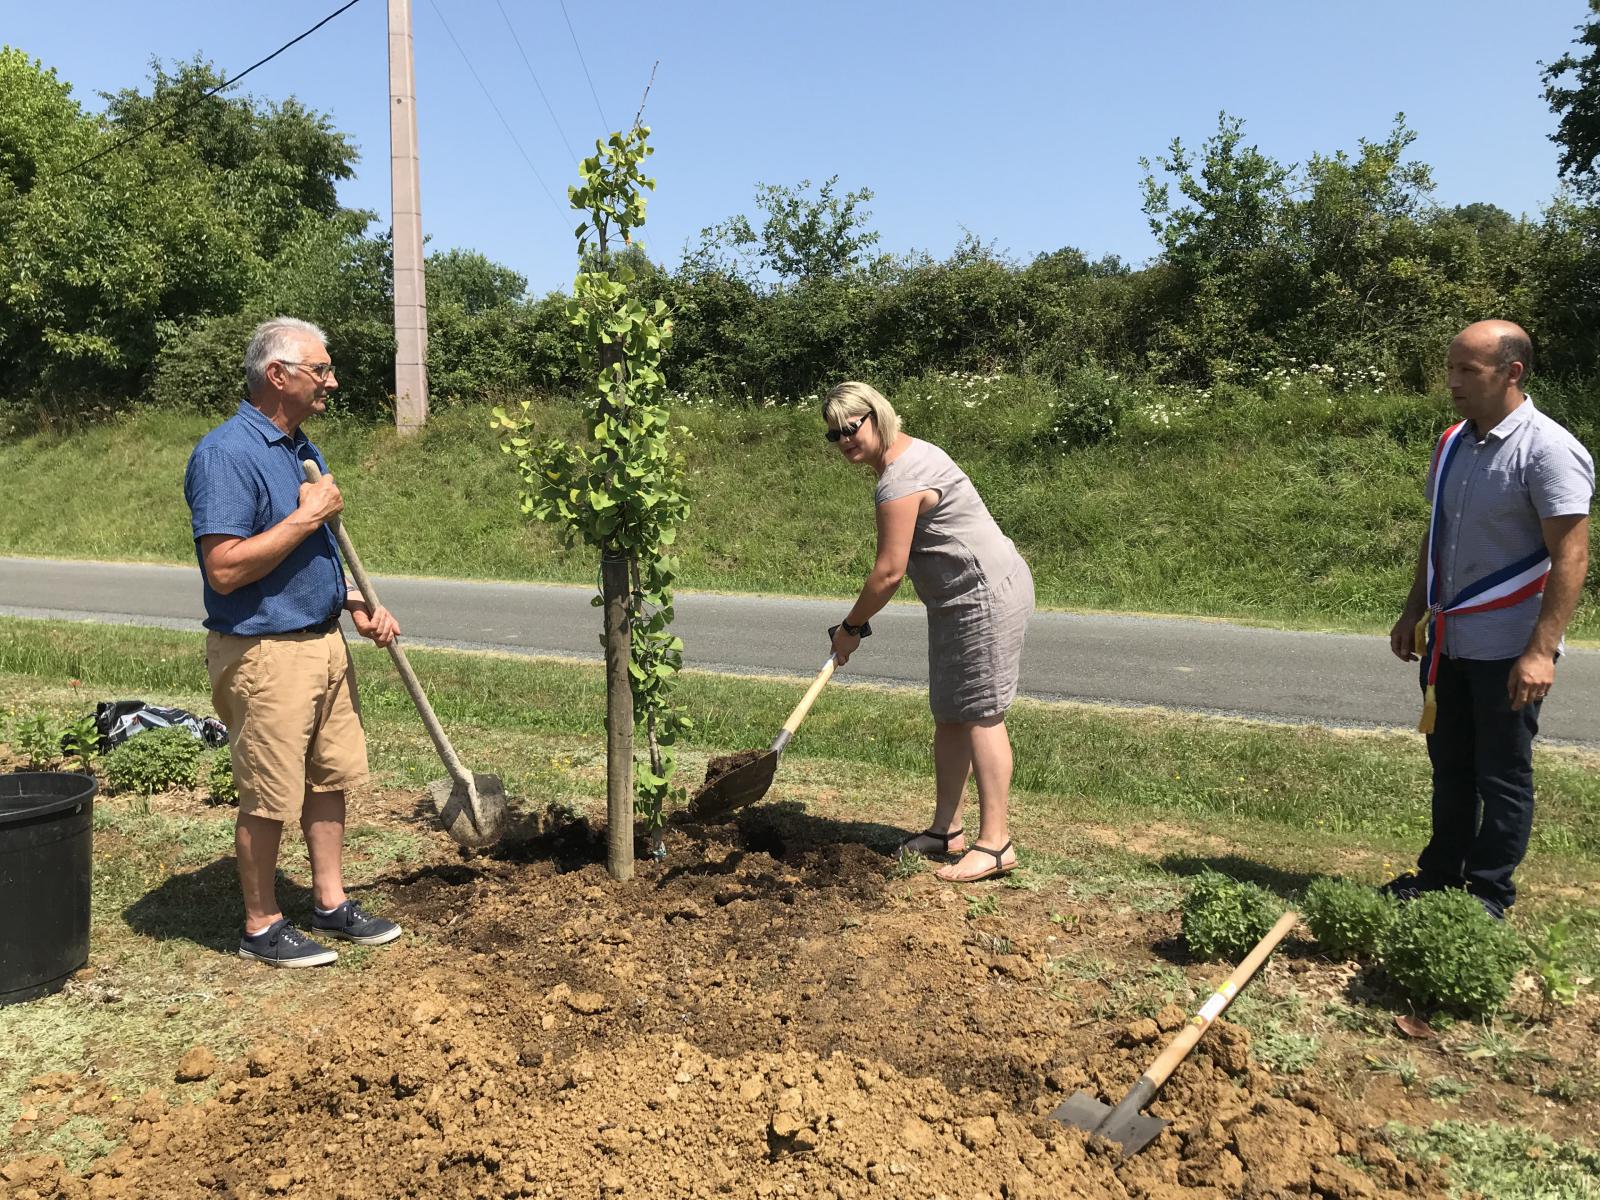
933	526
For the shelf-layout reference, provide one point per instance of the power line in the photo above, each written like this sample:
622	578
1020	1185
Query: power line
585	65
511	132
536	83
226	83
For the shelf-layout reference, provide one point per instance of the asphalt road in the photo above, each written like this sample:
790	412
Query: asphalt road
1199	666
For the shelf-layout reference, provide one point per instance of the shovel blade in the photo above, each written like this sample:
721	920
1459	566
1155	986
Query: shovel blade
741	786
1133	1132
473	814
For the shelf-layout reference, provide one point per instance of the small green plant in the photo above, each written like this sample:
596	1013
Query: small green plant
1445	952
1552	964
1224	918
154	761
1349	919
1285	1051
81	740
982	906
37	740
1403	1069
219	779
1447	1087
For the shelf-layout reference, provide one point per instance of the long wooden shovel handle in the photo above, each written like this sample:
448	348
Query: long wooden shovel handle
441	741
801	709
1208	1012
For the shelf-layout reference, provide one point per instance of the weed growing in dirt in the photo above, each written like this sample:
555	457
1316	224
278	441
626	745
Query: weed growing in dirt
1283	1050
1447	1087
81	740
1403	1069
1553	967
1349	919
1224	918
983	906
35	738
1499	1161
1445	952
154	761
906	864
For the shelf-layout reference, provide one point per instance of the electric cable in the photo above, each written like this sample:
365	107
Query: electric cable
584	64
226	83
486	95
532	75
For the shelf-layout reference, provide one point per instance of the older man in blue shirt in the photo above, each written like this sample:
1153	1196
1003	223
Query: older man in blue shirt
280	672
1497	580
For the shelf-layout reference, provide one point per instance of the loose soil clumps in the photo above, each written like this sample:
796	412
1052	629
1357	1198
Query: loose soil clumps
766	1013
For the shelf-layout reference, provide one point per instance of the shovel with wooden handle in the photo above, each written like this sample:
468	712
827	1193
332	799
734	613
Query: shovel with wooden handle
1125	1124
748	782
471	807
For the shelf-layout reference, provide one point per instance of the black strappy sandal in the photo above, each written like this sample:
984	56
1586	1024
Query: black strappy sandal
1000	867
944	839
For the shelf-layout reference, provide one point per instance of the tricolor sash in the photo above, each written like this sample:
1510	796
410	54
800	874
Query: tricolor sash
1499	589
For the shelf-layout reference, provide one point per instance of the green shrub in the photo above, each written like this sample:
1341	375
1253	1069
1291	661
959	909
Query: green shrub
1224	918
219	779
1349	920
81	740
154	761
1445	952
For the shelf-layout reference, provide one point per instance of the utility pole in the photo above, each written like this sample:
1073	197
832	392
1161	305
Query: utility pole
405	188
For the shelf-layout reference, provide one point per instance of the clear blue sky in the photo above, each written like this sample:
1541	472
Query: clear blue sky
1022	122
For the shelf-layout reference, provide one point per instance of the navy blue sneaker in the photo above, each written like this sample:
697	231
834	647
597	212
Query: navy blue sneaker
1493	907
282	945
351	923
1409	886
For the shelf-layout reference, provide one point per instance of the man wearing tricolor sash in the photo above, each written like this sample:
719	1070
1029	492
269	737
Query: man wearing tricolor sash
1498	576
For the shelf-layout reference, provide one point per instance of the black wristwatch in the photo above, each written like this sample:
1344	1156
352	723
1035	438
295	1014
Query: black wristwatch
862	630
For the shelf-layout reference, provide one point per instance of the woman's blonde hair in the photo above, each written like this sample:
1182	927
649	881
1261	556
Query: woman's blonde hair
847	401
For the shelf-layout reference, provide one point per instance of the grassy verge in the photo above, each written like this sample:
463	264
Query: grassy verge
1112	810
1301	510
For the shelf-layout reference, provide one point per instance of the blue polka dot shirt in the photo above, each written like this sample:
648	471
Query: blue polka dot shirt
243	478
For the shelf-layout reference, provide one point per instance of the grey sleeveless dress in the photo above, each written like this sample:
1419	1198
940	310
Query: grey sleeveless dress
977	588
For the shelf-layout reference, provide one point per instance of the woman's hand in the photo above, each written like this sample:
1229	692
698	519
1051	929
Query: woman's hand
844	645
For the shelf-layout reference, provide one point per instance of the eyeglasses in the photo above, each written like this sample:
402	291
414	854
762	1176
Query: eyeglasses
319	371
844	431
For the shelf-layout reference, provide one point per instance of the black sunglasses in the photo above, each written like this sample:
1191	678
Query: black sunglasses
844	431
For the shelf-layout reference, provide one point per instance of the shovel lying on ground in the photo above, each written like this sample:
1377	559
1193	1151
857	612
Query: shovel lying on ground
1125	1124
740	779
471	807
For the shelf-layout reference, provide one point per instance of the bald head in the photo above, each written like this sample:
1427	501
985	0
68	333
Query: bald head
1500	343
1486	367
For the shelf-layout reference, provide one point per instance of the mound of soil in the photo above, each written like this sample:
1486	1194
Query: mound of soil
768	1012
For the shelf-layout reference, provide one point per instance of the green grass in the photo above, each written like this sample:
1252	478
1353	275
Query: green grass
1505	1163
1300	510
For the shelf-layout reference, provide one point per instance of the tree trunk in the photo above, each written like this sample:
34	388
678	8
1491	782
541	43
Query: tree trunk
619	717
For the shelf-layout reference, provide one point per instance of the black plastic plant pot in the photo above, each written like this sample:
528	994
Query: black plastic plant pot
46	838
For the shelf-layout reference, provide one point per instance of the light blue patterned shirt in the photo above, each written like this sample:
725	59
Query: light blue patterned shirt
1498	488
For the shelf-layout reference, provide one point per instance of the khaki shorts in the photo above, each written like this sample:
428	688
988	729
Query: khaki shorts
294	722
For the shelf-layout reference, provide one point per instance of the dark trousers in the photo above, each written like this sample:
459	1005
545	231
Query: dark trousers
1482	754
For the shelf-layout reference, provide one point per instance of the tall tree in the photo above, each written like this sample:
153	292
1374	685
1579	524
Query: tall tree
1572	89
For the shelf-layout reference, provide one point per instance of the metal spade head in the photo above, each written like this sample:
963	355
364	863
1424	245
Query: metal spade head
475	816
743	785
1133	1130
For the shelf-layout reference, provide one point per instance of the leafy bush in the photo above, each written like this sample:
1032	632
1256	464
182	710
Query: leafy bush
219	779
154	761
37	740
1349	919
81	740
1445	952
1091	409
1224	918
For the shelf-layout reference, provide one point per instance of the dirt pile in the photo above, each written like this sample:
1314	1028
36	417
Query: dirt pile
766	1013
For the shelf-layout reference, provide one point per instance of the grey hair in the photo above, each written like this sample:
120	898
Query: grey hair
847	401
271	340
